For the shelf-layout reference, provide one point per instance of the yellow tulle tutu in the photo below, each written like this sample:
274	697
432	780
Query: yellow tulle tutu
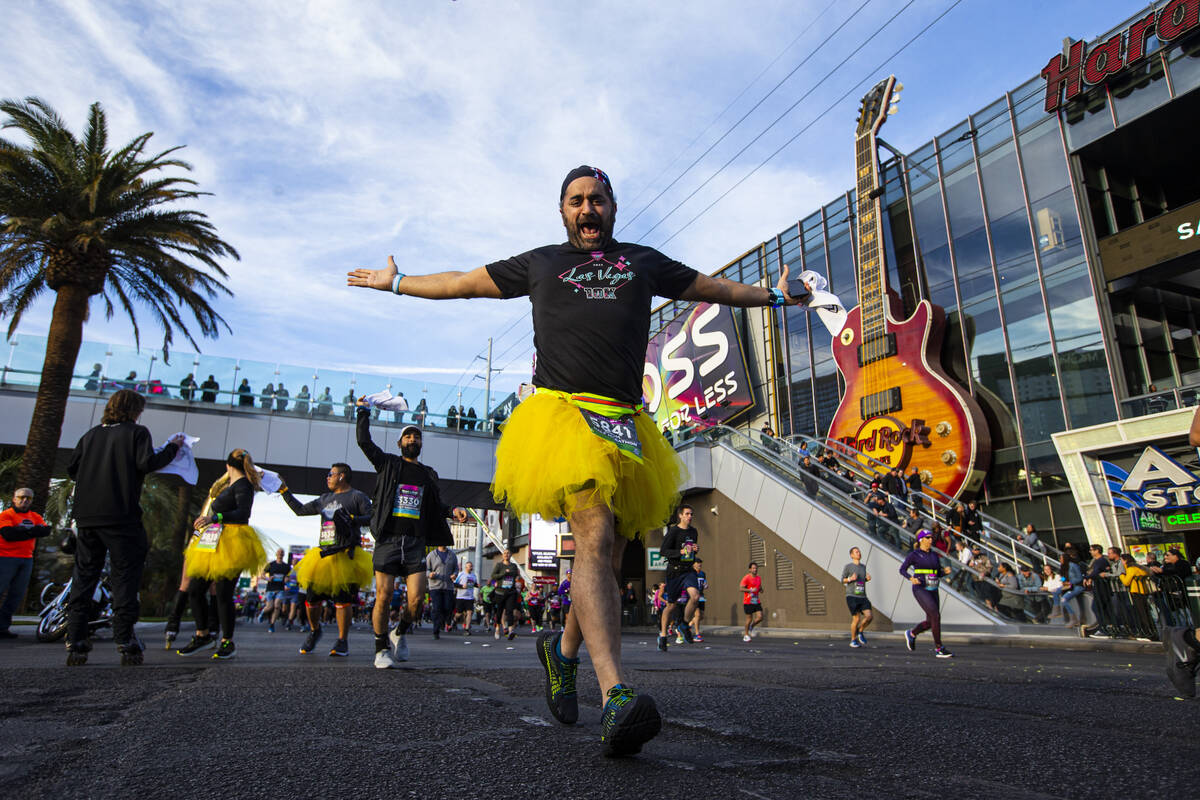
239	550
549	462
334	574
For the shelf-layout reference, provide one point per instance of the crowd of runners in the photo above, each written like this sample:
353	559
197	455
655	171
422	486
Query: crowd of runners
579	447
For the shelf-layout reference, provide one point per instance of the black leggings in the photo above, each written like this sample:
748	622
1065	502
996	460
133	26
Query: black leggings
197	589
928	601
506	607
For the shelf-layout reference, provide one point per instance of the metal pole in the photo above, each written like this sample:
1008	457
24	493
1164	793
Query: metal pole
487	387
479	534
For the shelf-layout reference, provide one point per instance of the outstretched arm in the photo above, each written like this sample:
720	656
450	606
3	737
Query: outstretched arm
708	289
438	286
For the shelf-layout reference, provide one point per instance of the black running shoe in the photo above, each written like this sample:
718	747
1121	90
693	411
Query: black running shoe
1182	662
310	641
512	634
662	643
170	640
197	644
560	679
628	722
340	648
132	653
437	634
686	632
77	654
226	650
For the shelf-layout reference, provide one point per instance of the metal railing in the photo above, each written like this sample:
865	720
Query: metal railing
1157	402
843	496
323	407
1143	607
1001	540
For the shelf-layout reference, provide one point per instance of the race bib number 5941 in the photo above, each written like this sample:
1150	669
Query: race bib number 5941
620	431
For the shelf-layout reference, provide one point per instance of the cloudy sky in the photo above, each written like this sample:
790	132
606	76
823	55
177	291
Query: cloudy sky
331	134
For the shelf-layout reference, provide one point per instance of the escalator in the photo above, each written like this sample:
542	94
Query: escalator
821	514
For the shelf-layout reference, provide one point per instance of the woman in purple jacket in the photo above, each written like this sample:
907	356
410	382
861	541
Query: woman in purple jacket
927	571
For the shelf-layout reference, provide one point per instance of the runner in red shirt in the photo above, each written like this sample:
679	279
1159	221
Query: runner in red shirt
752	601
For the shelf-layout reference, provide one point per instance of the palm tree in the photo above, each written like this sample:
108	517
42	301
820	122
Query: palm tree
81	220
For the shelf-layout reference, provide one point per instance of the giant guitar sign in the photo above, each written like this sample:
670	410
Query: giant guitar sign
900	407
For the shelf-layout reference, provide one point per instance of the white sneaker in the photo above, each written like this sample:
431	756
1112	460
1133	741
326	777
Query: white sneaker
745	637
401	653
383	660
394	639
753	632
496	633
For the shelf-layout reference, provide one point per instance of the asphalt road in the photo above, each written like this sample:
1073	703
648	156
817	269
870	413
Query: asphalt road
465	717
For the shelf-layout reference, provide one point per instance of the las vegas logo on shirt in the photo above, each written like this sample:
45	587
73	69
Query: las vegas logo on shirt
599	278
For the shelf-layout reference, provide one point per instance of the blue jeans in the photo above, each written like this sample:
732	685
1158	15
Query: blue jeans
14	580
1067	598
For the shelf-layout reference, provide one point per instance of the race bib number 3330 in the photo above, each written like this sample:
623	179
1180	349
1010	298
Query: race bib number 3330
408	501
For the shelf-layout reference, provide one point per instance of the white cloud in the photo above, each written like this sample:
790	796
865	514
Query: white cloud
334	133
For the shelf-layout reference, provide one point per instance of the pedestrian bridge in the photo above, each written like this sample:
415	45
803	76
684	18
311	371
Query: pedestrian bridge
299	446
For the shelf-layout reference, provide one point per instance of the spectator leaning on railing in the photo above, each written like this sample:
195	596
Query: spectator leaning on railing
1137	581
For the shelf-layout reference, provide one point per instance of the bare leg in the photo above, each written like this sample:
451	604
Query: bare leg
416	593
596	608
691	609
866	620
384	586
314	616
345	615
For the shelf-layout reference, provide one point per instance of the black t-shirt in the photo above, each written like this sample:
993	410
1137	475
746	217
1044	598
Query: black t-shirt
505	576
678	562
277	572
591	312
407	502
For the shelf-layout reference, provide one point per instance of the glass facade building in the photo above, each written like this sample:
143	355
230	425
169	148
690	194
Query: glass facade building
1001	220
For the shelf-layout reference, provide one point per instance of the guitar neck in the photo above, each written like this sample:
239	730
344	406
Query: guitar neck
872	275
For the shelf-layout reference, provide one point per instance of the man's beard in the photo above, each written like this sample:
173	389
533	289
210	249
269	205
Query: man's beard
410	450
576	238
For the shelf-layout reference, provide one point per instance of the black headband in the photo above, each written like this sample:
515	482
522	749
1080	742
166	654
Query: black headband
586	172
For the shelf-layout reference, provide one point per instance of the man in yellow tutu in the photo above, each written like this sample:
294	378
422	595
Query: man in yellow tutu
580	447
336	567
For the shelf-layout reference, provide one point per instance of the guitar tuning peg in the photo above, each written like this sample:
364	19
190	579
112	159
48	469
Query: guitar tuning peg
892	110
898	87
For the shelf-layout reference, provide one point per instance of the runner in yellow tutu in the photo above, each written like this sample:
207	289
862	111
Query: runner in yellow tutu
223	547
337	566
580	447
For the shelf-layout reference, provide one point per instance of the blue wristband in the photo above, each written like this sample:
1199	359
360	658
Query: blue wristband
776	295
396	282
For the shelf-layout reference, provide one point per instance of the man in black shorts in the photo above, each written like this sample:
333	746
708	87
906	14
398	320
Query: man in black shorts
679	548
408	516
751	587
854	578
276	574
341	504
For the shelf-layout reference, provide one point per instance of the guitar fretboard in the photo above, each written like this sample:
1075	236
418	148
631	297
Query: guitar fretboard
872	282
